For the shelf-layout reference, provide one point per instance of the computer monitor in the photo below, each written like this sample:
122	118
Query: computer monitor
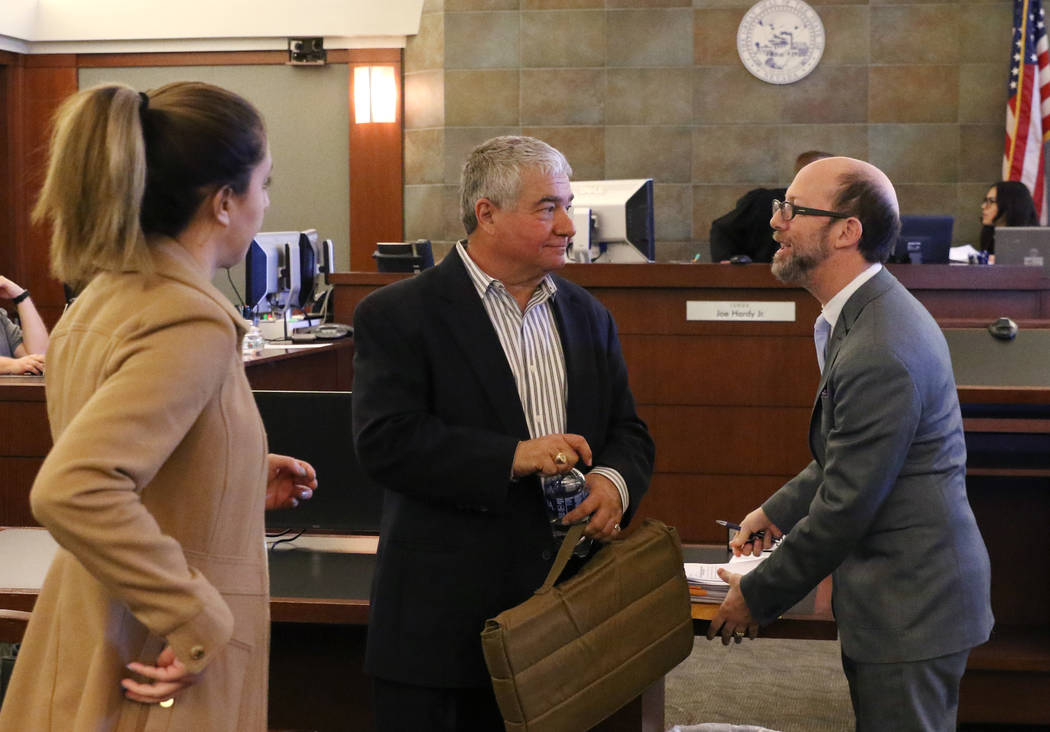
621	218
580	247
404	256
316	426
924	240
315	265
1028	246
272	274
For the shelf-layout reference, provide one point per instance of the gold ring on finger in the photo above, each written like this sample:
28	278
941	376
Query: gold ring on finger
560	459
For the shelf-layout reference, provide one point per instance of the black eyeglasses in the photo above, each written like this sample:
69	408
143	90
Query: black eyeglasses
988	202
789	211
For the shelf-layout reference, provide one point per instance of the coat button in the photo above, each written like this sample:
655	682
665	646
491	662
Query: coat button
197	653
546	555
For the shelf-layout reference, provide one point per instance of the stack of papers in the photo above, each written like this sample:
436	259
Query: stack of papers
704	583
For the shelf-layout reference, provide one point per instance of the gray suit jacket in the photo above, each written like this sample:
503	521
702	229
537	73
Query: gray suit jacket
883	503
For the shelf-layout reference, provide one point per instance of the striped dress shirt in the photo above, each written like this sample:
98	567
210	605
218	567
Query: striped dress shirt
533	349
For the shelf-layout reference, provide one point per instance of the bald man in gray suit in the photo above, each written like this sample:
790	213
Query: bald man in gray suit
883	504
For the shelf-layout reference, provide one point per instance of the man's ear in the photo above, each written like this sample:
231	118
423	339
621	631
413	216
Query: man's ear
850	234
485	211
220	203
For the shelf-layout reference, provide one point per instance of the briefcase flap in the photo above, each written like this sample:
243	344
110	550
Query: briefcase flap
568	658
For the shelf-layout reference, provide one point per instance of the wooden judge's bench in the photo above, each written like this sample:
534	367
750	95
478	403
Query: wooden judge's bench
728	403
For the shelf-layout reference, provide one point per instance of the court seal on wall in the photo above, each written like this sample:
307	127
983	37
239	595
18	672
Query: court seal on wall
780	41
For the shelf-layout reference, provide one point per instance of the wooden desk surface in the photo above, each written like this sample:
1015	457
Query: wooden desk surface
323	579
21	388
327	579
285	357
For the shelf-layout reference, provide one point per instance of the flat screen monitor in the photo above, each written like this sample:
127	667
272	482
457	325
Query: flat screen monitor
404	256
1028	246
272	274
315	265
924	240
621	216
316	426
580	247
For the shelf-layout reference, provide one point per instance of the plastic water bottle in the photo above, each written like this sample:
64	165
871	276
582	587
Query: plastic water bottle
253	343
563	493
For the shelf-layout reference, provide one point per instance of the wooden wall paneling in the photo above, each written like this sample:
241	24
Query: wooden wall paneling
307	375
201	58
1003	698
311	662
10	126
736	441
25	438
376	170
46	80
692	502
1019	305
949	291
665	310
728	370
729	403
19	474
1009	512
25	429
352	288
316	369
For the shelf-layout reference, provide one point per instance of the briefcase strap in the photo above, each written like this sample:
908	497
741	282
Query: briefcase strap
570	541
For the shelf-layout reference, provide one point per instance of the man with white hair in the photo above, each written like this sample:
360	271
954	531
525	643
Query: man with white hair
883	504
472	382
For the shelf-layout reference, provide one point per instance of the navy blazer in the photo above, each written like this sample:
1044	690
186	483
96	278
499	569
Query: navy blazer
883	503
437	419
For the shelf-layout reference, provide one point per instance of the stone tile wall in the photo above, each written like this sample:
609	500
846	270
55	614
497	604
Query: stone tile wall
654	88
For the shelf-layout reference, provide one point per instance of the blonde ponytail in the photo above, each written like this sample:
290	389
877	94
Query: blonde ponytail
96	178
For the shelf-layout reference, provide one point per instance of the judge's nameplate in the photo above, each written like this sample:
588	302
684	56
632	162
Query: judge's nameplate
780	41
739	311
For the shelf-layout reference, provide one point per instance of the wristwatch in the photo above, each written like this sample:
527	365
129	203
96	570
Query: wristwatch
20	297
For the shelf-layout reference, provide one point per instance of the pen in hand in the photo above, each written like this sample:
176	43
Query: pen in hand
736	527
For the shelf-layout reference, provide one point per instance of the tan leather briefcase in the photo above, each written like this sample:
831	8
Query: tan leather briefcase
574	653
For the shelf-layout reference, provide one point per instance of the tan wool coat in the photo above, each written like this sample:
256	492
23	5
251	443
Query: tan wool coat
155	491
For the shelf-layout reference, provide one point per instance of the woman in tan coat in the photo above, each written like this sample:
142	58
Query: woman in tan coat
154	614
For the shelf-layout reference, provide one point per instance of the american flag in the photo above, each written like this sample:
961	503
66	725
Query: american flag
1028	106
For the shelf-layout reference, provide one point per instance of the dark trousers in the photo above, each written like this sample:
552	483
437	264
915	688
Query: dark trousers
406	708
915	695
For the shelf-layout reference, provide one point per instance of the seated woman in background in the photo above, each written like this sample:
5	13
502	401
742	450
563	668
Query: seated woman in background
21	348
1008	203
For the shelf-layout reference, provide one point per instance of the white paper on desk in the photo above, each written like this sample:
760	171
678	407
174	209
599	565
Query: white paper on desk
962	253
707	574
293	346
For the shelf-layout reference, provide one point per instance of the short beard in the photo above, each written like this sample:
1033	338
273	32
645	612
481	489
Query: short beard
797	268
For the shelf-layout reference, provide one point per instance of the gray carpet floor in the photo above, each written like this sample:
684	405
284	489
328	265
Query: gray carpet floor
785	685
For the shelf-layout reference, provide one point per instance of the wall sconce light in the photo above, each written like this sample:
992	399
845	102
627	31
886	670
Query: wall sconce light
375	94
